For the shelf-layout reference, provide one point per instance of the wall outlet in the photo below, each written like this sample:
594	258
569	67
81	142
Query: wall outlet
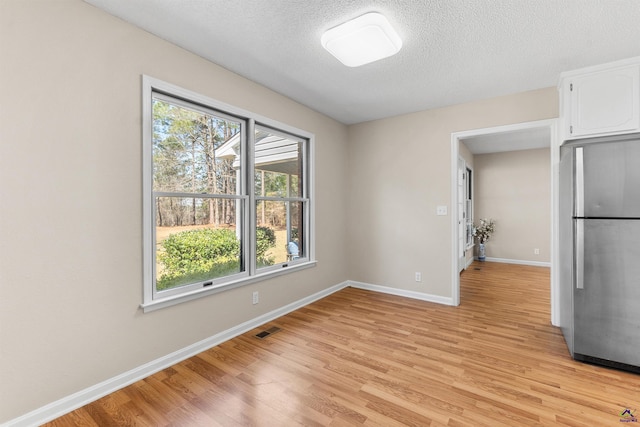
441	210
256	297
418	276
536	251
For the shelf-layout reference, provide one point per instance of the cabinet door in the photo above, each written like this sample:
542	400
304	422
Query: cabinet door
604	103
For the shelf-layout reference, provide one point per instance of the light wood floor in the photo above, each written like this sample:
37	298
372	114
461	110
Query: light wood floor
363	358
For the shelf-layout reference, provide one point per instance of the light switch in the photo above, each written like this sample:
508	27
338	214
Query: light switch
441	210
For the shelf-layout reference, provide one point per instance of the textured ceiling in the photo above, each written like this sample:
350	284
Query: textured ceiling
454	51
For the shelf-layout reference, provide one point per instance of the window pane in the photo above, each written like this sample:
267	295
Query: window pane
278	165
191	248
279	234
193	151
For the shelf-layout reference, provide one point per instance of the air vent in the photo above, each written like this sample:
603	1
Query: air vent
262	335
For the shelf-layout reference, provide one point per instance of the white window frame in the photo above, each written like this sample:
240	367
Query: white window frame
303	198
152	299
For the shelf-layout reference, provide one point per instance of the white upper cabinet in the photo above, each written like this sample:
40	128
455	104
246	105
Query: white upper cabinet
600	101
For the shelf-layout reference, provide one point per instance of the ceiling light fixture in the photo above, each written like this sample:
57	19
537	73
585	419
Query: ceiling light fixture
362	40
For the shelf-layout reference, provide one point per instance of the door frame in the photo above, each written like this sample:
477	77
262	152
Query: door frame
462	254
554	145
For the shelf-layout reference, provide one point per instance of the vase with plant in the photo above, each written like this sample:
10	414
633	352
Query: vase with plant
483	232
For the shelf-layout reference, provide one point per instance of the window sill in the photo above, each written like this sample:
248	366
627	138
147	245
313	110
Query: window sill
200	293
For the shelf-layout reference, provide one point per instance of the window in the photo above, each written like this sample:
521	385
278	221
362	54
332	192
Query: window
227	196
279	192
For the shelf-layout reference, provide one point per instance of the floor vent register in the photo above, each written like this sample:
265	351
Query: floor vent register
262	335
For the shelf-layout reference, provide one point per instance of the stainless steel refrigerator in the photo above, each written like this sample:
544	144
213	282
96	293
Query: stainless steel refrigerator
600	251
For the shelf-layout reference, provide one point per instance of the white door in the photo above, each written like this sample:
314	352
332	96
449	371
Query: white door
462	169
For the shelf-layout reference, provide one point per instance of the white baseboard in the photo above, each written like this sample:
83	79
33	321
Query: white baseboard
67	404
518	261
401	292
468	263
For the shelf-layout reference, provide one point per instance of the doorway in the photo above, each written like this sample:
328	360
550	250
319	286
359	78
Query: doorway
505	138
465	214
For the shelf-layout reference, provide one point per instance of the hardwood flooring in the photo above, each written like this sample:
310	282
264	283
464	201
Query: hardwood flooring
360	358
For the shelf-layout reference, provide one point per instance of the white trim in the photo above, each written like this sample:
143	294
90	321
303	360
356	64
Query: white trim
469	261
552	125
519	261
210	290
455	273
148	231
401	292
248	161
153	299
228	109
67	404
600	67
555	218
311	196
74	401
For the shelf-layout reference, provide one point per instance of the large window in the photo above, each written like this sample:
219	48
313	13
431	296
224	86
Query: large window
226	196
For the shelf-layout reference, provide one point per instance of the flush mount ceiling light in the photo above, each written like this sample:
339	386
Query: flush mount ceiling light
362	40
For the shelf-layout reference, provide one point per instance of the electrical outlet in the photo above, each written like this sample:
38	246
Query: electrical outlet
536	251
256	297
418	276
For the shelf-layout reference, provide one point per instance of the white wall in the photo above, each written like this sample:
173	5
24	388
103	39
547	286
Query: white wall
514	188
399	172
70	211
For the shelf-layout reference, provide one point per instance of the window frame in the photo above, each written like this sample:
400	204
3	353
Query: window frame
303	198
247	200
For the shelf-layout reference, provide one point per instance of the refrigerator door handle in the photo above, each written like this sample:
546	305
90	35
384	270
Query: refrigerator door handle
579	182
578	267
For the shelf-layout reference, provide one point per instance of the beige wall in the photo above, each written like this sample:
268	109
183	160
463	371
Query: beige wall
514	188
399	172
70	144
464	152
70	147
